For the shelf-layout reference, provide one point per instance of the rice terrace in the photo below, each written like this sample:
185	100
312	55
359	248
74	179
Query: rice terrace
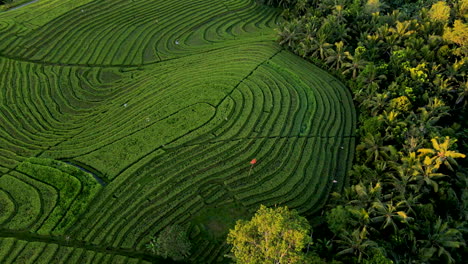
121	117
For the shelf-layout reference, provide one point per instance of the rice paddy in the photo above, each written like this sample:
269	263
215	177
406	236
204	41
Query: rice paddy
119	118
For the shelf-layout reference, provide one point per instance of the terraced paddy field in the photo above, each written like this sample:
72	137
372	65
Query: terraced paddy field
121	117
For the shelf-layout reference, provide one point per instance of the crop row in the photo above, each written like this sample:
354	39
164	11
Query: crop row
14	250
171	178
138	32
59	112
169	100
45	196
146	108
40	107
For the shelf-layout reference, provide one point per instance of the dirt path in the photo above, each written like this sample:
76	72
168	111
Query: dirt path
25	4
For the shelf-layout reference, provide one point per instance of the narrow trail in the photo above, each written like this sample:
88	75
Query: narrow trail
25	4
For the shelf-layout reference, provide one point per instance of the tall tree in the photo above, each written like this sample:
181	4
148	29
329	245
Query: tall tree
273	235
440	153
336	57
440	240
172	243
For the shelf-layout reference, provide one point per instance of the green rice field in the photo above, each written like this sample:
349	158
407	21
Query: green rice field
121	117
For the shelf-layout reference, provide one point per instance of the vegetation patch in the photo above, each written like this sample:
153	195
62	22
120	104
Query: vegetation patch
168	101
217	220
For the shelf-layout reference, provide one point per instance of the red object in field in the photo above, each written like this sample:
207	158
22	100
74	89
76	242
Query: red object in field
253	161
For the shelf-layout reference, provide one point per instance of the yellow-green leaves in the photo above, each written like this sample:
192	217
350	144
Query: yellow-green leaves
440	12
401	103
273	235
440	153
402	214
457	34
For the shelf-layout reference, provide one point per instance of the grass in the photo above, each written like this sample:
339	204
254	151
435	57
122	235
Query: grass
167	102
214	221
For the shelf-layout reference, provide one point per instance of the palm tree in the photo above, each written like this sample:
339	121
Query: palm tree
412	143
374	148
341	31
404	181
355	243
336	57
440	238
355	64
426	118
339	14
409	202
426	172
305	47
387	213
391	121
375	103
440	153
301	6
401	30
372	43
391	44
290	33
443	86
362	196
320	46
370	78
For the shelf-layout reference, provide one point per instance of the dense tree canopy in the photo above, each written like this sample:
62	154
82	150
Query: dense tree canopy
172	242
273	235
405	63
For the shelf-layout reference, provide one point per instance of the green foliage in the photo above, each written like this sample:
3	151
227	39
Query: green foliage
273	235
378	258
63	190
15	250
440	12
172	242
169	116
405	63
341	218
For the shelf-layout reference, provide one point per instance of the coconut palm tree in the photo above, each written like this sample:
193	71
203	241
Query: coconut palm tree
301	6
355	243
426	172
290	33
402	30
390	118
355	65
439	240
403	181
320	46
374	149
336	57
387	214
375	103
370	78
363	196
440	153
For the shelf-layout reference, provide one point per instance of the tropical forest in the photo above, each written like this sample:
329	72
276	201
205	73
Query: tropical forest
233	131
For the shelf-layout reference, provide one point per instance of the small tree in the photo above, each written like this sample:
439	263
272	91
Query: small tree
172	242
440	12
274	235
